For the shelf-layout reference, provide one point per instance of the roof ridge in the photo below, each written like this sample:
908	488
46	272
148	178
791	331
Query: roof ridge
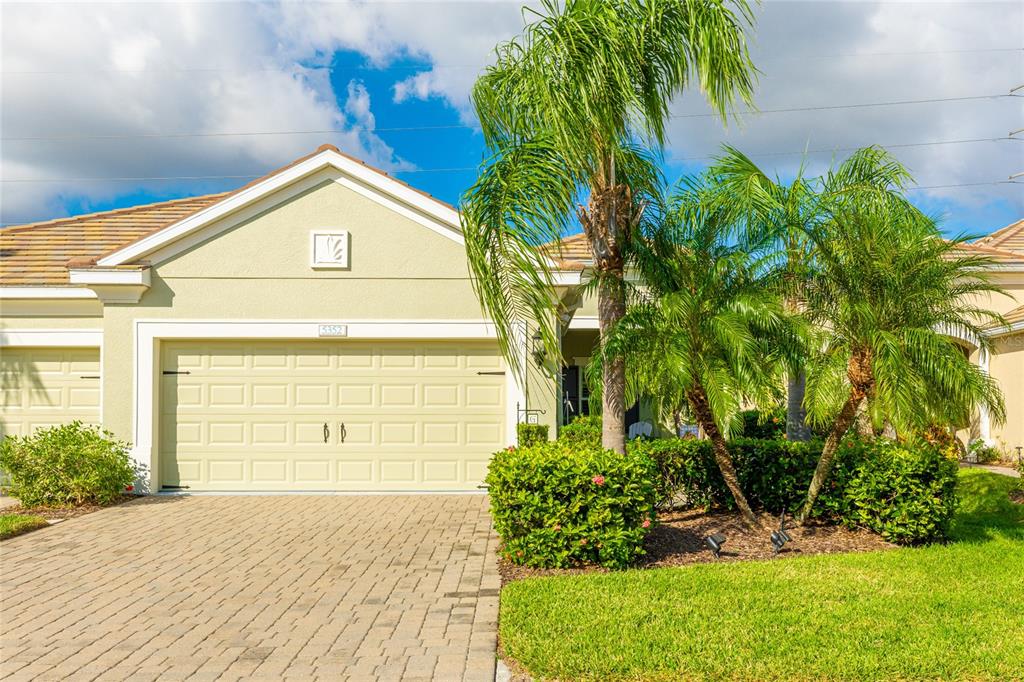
114	211
1002	234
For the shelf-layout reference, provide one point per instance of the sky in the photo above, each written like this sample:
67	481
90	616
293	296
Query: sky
110	105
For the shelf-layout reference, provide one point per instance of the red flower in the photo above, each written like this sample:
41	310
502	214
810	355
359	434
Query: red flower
598	480
583	541
519	553
558	526
646	523
510	448
129	488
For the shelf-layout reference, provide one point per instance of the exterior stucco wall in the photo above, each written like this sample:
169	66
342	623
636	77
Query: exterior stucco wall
1007	366
50	314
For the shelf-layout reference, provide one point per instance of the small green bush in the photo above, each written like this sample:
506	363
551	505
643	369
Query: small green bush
982	453
559	504
905	492
584	430
531	434
66	465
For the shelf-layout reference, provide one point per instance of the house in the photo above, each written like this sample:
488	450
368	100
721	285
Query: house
316	329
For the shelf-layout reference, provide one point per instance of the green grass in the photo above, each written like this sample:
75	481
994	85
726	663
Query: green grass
951	612
16	524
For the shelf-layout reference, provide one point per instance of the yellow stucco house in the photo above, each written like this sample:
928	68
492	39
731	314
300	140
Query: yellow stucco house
315	329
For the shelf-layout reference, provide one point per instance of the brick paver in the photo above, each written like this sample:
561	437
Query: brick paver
255	587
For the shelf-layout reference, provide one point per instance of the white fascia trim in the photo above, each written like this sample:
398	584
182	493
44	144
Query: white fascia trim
52	337
88	276
566	278
368	178
46	292
1009	329
584	322
148	332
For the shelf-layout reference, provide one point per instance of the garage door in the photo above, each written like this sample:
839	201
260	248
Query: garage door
329	415
46	386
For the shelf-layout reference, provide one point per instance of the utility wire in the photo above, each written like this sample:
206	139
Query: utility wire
453	126
429	67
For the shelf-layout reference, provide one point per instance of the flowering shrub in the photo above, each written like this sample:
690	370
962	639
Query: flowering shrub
559	504
66	465
582	430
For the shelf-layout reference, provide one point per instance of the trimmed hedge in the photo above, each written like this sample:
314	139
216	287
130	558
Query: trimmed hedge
765	425
71	464
585	431
531	434
559	504
906	492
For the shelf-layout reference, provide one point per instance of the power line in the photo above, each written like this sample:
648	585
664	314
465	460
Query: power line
429	67
461	169
458	126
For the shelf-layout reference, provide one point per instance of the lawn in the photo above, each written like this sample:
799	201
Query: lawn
16	524
948	612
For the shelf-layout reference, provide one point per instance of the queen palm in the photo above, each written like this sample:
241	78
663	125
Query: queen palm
889	293
710	323
566	110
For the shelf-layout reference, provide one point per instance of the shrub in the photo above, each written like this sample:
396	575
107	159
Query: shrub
774	474
531	434
584	431
764	425
982	453
559	504
905	492
66	465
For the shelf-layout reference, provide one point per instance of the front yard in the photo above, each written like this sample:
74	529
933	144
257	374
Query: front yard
952	611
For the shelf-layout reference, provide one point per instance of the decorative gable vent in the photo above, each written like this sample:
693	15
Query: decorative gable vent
329	249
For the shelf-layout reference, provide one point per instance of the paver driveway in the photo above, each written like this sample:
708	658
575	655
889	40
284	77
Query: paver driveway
264	587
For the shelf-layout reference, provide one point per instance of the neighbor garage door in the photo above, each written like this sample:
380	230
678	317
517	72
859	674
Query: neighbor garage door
46	386
329	415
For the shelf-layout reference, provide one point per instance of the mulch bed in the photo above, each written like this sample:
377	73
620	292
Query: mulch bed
1017	496
62	513
678	540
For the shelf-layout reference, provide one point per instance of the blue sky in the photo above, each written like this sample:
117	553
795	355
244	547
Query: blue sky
140	73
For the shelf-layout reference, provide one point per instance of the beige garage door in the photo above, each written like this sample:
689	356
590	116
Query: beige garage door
329	415
47	386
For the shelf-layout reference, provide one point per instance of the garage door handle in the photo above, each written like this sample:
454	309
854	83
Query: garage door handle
327	432
343	433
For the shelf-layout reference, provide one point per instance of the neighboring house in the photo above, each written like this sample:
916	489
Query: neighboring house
316	329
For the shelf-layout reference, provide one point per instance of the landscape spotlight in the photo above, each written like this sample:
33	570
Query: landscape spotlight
714	543
779	539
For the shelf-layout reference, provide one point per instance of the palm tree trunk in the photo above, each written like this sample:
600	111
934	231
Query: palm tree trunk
702	411
796	415
843	422
610	309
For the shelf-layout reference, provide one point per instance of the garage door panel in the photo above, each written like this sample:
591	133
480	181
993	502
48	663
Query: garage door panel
44	387
251	416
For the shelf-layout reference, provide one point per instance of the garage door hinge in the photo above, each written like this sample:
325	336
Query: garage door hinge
176	371
493	374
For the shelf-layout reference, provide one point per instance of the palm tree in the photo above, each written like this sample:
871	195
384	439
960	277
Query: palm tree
566	112
710	323
889	292
781	213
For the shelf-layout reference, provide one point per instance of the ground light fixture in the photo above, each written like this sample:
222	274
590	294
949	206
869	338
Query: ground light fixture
780	537
714	543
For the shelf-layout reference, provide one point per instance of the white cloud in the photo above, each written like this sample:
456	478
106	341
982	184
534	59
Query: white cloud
137	69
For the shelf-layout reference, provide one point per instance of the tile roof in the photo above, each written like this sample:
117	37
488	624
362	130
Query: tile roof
1010	237
1014	317
999	255
571	253
37	254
